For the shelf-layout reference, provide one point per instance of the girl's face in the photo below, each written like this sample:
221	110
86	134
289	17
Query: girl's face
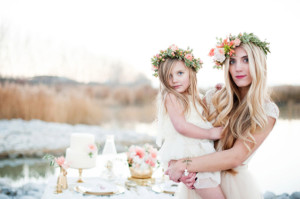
239	68
179	77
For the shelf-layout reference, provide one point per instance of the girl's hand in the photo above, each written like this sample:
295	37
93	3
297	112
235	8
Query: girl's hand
189	180
175	170
216	133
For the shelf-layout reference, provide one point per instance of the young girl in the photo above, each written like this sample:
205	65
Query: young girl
185	131
246	111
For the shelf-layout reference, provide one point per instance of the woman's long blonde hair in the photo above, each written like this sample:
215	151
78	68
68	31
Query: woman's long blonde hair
242	117
164	71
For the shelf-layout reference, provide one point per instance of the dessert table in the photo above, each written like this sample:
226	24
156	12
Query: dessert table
117	174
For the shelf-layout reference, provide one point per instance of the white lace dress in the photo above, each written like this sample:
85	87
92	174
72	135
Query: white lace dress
176	146
242	185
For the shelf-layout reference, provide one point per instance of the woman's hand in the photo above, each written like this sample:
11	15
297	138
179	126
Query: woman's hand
175	170
189	180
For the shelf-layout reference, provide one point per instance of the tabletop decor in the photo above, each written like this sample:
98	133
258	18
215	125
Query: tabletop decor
168	187
100	187
63	165
82	153
141	161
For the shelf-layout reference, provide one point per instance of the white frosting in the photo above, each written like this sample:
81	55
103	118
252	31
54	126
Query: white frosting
80	141
77	155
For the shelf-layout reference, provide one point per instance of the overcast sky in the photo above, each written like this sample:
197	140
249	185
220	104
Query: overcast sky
131	32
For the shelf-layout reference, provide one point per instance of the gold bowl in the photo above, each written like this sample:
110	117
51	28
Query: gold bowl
140	174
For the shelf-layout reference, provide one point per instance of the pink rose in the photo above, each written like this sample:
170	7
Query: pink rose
237	42
153	154
189	57
173	47
60	161
150	162
221	50
140	152
92	148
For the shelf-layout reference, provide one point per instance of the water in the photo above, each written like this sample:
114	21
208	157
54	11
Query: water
275	165
19	172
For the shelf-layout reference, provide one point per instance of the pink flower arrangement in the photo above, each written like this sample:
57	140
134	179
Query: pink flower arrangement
92	148
173	52
142	157
57	161
60	161
225	48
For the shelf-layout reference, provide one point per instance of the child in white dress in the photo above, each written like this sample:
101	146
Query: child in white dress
181	119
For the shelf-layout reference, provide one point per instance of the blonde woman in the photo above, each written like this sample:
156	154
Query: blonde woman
185	131
244	109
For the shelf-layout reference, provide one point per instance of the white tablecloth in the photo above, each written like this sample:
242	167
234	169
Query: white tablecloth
121	174
133	193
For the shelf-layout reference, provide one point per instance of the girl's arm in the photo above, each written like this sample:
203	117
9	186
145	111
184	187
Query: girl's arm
222	160
175	111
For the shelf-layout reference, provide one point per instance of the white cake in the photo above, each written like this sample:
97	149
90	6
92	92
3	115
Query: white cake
79	155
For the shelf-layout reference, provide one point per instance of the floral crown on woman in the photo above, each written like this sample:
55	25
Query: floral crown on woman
174	52
225	48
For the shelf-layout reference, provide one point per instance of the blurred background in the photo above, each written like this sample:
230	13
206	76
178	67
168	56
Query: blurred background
84	66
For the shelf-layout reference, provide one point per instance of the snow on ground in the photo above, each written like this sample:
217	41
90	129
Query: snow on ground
35	137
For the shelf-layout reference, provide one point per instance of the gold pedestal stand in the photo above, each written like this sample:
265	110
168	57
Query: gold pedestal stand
80	176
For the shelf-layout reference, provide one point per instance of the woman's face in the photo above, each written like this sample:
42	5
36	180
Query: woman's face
239	68
179	77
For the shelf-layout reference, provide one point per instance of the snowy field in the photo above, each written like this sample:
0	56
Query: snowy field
35	138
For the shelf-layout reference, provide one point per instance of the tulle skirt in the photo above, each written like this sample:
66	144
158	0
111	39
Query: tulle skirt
240	185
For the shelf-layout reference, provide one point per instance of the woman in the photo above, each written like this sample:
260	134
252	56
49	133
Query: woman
244	109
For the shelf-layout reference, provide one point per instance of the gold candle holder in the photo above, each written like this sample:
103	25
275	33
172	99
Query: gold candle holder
80	176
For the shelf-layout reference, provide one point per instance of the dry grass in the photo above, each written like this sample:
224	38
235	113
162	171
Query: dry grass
286	94
99	104
288	100
76	104
48	104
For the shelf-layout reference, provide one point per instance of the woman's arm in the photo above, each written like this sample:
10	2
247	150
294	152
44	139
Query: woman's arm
222	160
175	111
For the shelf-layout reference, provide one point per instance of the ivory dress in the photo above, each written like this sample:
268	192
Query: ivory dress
242	185
176	146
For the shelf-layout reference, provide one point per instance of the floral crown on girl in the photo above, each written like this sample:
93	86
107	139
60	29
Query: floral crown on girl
174	52
225	48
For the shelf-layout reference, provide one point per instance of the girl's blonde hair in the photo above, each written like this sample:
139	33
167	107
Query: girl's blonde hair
242	117
164	71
